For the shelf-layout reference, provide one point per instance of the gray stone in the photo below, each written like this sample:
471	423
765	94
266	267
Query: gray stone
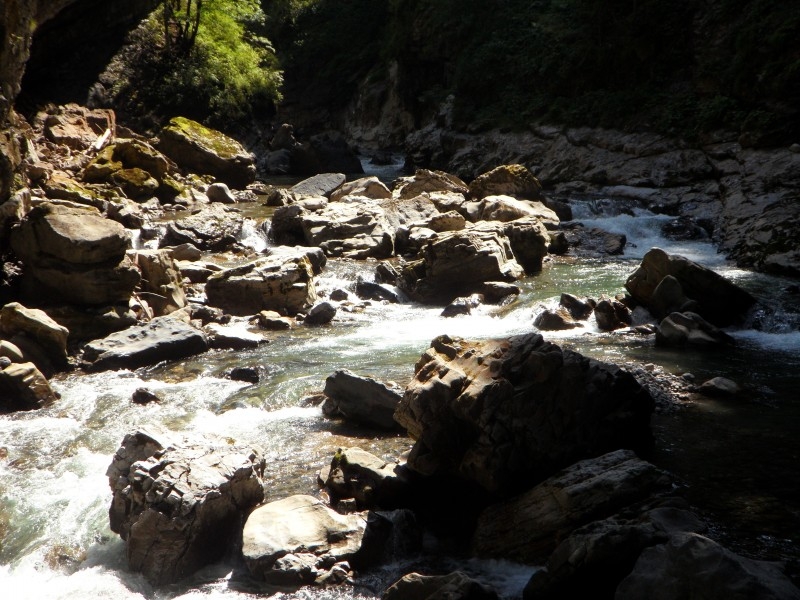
321	313
363	399
323	184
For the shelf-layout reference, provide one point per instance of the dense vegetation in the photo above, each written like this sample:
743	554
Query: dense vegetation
678	66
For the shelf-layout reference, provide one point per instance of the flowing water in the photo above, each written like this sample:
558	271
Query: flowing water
738	457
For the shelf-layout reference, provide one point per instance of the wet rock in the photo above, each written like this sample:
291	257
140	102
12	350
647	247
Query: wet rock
457	263
668	297
389	537
369	290
179	504
199	149
690	564
219	192
321	313
511	180
186	251
690	329
23	387
303	529
719	387
316	257
233	337
271	320
215	227
144	396
163	338
39	328
595	558
323	184
362	399
162	284
719	301
611	314
454	586
75	255
529	241
495	292
593	242
577	308
462	306
559	244
504	413
527	528
247	374
371	481
557	320
281	283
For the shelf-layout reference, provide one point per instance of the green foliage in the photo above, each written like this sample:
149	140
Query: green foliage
229	72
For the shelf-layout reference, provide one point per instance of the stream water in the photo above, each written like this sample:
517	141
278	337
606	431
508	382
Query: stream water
738	457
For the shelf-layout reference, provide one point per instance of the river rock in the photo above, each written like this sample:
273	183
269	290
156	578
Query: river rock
362	399
179	505
611	314
75	255
690	329
528	527
366	187
215	227
391	536
357	229
162	284
595	558
505	413
281	283
457	263
23	387
208	152
506	208
163	338
316	257
234	337
592	241
323	184
303	529
529	240
219	192
38	327
92	322
462	306
578	309
691	565
321	313
369	290
719	387
555	320
272	320
509	180
719	301
371	481
424	180
453	586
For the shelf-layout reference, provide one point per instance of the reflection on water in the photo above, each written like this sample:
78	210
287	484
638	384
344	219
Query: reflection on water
739	456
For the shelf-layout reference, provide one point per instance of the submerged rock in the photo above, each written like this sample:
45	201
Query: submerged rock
505	413
180	505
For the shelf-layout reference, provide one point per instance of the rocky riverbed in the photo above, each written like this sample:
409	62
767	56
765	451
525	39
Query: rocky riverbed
328	387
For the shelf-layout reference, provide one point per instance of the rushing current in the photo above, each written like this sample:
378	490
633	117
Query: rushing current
738	457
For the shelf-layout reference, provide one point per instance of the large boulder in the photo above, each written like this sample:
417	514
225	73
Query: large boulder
163	338
458	263
505	413
369	480
453	586
294	540
356	229
362	399
74	255
718	300
283	283
690	329
162	283
323	184
505	208
509	180
528	527
208	152
692	566
180	505
366	187
424	180
529	242
215	227
23	387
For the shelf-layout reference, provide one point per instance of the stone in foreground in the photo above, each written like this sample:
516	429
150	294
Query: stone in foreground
179	506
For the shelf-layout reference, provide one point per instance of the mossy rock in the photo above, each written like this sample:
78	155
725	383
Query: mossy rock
102	167
138	154
62	187
205	151
136	183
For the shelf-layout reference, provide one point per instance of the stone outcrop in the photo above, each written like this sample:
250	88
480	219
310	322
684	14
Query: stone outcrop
180	504
294	541
690	564
163	338
505	413
508	180
453	586
281	283
75	255
208	152
361	399
716	299
526	528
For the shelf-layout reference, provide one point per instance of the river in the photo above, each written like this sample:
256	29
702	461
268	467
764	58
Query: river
739	458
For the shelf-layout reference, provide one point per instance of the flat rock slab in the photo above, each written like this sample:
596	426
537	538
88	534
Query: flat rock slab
318	185
163	338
